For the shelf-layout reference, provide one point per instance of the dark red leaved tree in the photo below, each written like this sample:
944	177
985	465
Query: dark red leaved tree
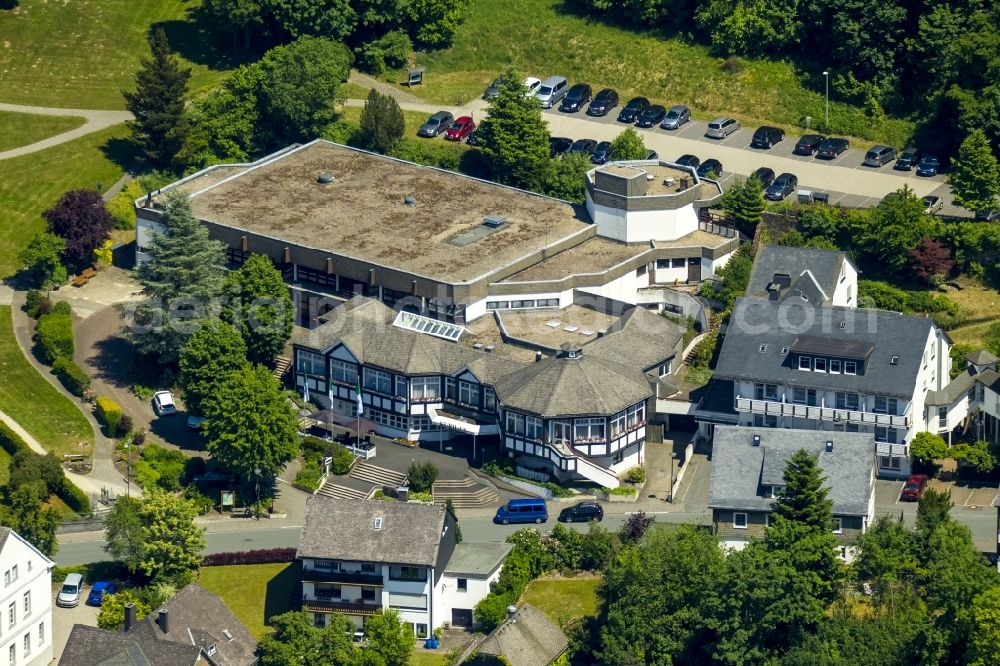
930	260
82	219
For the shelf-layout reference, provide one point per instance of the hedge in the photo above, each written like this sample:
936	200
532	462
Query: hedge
74	498
71	375
108	413
262	556
55	337
10	440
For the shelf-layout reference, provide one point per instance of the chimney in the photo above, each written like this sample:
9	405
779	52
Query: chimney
829	446
538	356
163	621
129	617
756	440
512	614
602	332
490	348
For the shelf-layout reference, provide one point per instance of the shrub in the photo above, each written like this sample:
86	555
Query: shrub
122	205
160	466
622	490
10	441
54	335
74	498
262	556
71	375
928	446
420	497
124	425
108	413
33	301
309	476
391	51
636	475
422	476
62	308
202	501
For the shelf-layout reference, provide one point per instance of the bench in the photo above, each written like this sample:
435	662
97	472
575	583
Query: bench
84	277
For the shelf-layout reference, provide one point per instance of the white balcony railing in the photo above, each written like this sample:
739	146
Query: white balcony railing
856	416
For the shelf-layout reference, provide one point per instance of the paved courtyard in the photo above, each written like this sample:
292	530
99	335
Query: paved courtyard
63	620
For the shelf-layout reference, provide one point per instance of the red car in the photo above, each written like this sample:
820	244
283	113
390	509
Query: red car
913	488
460	129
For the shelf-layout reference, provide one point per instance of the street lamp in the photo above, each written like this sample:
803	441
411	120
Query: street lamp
256	478
673	457
826	75
128	470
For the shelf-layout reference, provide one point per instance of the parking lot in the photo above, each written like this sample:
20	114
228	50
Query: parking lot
63	620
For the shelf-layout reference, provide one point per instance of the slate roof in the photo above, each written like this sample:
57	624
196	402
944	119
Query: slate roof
90	646
640	338
740	470
756	322
338	529
823	265
477	559
531	639
955	389
564	386
4	533
981	357
990	379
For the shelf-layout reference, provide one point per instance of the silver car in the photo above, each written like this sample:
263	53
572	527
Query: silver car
676	116
436	124
69	593
551	91
722	127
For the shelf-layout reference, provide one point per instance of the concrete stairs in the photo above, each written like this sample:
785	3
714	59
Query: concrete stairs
339	491
380	476
281	366
465	493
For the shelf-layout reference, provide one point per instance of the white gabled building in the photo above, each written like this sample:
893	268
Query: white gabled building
25	602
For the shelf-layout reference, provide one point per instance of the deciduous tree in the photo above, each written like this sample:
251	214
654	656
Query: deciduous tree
25	515
628	145
42	257
112	614
928	446
260	308
975	175
213	352
514	137
82	220
986	635
391	638
931	261
565	178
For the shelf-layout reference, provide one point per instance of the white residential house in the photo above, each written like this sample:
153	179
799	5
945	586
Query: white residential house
25	602
803	274
362	556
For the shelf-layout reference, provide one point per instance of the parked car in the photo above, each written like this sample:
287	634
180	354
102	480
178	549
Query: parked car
436	124
603	102
808	144
914	488
472	141
651	116
987	215
652	155
531	85
583	147
559	145
69	593
576	98
722	127
765	137
710	168
676	116
932	204
688	160
462	128
163	403
522	511
493	90
551	91
602	153
928	166
630	112
582	512
782	186
195	422
99	591
765	175
879	156
831	148
908	159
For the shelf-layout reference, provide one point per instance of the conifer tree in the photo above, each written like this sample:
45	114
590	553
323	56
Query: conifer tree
382	122
975	177
514	137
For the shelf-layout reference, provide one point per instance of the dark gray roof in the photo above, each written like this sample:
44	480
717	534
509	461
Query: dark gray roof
337	529
640	338
478	559
564	386
756	322
740	470
955	389
990	379
981	357
90	646
531	639
4	533
823	265
832	346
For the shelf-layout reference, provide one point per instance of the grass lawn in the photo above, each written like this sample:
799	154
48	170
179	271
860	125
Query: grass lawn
33	402
253	592
540	37
80	54
425	658
563	599
4	467
21	129
31	183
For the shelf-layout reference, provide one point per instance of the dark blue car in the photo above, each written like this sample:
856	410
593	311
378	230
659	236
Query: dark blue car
99	591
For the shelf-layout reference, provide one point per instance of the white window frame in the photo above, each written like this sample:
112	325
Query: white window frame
378	381
618	425
835	366
805	363
27	603
27	644
850	367
817	363
450	390
425	389
514	423
746	520
838	525
310	363
468	393
489	399
401	387
589	430
636	416
534	428
41	633
343	372
12	614
796	390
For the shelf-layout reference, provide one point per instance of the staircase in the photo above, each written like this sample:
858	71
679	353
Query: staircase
380	476
338	491
281	366
465	493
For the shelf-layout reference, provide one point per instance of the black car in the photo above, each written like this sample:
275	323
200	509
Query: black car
710	168
651	116
574	100
559	145
929	166
765	137
765	175
688	160
782	186
808	144
631	111
907	159
493	91
602	153
582	512
583	147
832	148
603	102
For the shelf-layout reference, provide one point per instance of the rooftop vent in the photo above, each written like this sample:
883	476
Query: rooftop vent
894	360
228	634
829	446
477	345
324	178
494	221
489	348
512	613
843	325
784	350
409	201
756	440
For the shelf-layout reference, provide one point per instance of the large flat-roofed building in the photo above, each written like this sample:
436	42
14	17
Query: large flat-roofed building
340	221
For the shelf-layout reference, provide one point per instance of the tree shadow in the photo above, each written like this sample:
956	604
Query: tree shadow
112	360
191	39
123	152
280	590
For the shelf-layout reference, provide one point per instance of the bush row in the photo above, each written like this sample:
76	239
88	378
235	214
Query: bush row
71	375
109	413
309	476
54	335
262	556
67	491
315	449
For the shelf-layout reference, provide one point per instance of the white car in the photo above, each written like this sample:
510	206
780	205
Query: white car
531	86
69	593
163	403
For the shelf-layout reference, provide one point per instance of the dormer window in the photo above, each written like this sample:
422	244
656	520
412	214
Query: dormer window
850	367
211	650
805	363
820	365
834	366
763	348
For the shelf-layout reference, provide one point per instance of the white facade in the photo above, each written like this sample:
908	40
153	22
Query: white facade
25	603
846	293
642	226
144	232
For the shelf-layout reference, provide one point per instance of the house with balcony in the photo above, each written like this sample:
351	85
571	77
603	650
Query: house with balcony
809	275
359	557
969	406
791	364
25	602
747	476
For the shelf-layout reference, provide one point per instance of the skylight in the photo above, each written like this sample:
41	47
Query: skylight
420	324
378	522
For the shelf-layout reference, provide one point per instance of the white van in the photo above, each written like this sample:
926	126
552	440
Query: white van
69	594
551	91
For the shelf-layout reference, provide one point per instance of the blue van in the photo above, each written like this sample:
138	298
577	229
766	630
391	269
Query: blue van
522	511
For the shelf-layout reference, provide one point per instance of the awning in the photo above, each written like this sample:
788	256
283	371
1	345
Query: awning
461	423
325	417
